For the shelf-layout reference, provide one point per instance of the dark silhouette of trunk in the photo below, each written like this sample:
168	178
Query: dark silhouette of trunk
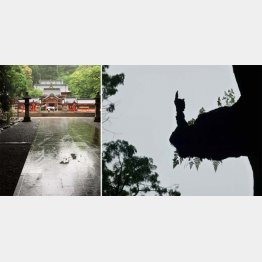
227	131
255	161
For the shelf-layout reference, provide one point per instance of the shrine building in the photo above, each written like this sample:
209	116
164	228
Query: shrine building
57	95
56	87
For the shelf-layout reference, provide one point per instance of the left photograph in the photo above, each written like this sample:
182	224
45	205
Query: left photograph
50	130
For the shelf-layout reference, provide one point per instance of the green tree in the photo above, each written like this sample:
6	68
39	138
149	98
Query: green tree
18	82
126	174
27	72
84	82
14	81
36	75
4	78
51	72
66	70
44	72
35	92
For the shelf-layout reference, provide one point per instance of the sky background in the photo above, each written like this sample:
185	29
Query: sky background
145	117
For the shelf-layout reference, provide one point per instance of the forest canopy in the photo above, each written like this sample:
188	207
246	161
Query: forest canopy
83	80
51	72
15	80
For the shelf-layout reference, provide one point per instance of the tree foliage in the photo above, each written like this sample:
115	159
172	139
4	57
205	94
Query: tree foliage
227	100
110	84
126	174
33	92
5	78
51	72
84	81
14	81
27	72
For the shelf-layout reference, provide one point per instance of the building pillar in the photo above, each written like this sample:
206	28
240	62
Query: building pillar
27	117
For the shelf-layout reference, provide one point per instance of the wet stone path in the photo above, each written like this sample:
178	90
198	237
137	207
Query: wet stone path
64	159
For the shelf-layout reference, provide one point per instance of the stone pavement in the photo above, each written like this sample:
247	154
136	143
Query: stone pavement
64	159
15	144
59	114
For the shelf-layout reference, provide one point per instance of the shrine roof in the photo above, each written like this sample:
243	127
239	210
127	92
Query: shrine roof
51	95
86	101
70	100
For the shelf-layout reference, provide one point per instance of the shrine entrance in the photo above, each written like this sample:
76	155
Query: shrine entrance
53	101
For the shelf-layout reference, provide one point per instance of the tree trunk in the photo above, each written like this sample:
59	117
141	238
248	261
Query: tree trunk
227	131
256	164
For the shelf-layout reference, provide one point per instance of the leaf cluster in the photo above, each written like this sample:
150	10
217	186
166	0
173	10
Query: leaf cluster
14	81
110	82
84	82
228	99
126	174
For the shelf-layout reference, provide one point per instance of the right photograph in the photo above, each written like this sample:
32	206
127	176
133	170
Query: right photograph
181	130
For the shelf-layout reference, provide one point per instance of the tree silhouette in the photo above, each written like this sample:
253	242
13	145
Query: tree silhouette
126	174
227	100
229	131
110	84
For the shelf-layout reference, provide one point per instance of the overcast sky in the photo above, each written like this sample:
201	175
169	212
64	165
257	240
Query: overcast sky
145	117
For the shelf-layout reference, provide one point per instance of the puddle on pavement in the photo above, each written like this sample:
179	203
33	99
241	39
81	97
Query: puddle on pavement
64	159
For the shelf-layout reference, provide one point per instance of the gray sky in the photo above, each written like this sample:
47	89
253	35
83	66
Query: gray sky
145	117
